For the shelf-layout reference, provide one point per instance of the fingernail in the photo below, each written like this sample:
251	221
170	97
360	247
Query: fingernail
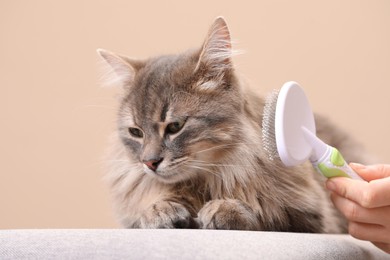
357	166
330	185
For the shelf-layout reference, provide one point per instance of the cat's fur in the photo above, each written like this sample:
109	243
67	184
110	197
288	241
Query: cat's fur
213	173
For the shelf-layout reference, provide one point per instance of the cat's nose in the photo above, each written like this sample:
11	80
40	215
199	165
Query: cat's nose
153	163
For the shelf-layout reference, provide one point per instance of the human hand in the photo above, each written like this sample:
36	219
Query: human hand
366	205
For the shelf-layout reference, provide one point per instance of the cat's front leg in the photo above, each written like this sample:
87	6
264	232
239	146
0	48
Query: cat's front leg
166	214
228	214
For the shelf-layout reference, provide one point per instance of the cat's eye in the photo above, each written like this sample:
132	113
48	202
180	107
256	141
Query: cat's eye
136	132
175	127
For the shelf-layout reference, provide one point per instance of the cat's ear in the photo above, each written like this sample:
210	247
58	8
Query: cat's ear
216	53
120	70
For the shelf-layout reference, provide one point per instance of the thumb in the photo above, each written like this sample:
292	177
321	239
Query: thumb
371	172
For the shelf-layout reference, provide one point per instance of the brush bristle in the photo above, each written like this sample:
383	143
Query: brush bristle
268	126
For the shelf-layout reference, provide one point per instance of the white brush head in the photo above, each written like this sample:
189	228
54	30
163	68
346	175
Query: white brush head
293	112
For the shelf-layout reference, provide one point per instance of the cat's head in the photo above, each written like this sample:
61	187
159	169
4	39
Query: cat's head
180	114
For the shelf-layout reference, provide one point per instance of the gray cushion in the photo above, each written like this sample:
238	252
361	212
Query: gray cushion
180	244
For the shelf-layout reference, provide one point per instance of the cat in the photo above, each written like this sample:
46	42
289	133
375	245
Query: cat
188	150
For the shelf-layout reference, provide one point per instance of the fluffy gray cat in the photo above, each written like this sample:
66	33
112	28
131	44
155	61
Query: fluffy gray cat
188	152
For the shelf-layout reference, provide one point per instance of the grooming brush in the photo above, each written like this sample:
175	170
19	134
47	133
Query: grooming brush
289	134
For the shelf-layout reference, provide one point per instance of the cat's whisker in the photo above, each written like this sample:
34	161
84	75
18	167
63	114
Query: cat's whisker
123	163
214	148
224	145
204	163
104	162
206	170
118	161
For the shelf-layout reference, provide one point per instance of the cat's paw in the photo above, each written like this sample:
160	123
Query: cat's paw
167	214
227	214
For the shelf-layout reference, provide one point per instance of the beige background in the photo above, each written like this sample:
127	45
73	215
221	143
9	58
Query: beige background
55	119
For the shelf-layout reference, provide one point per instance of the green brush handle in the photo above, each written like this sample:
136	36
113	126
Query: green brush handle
334	165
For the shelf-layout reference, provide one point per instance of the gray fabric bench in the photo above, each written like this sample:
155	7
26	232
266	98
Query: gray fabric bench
180	244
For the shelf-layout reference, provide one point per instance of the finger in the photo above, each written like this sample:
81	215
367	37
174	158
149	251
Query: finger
367	194
384	246
354	212
371	172
370	232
